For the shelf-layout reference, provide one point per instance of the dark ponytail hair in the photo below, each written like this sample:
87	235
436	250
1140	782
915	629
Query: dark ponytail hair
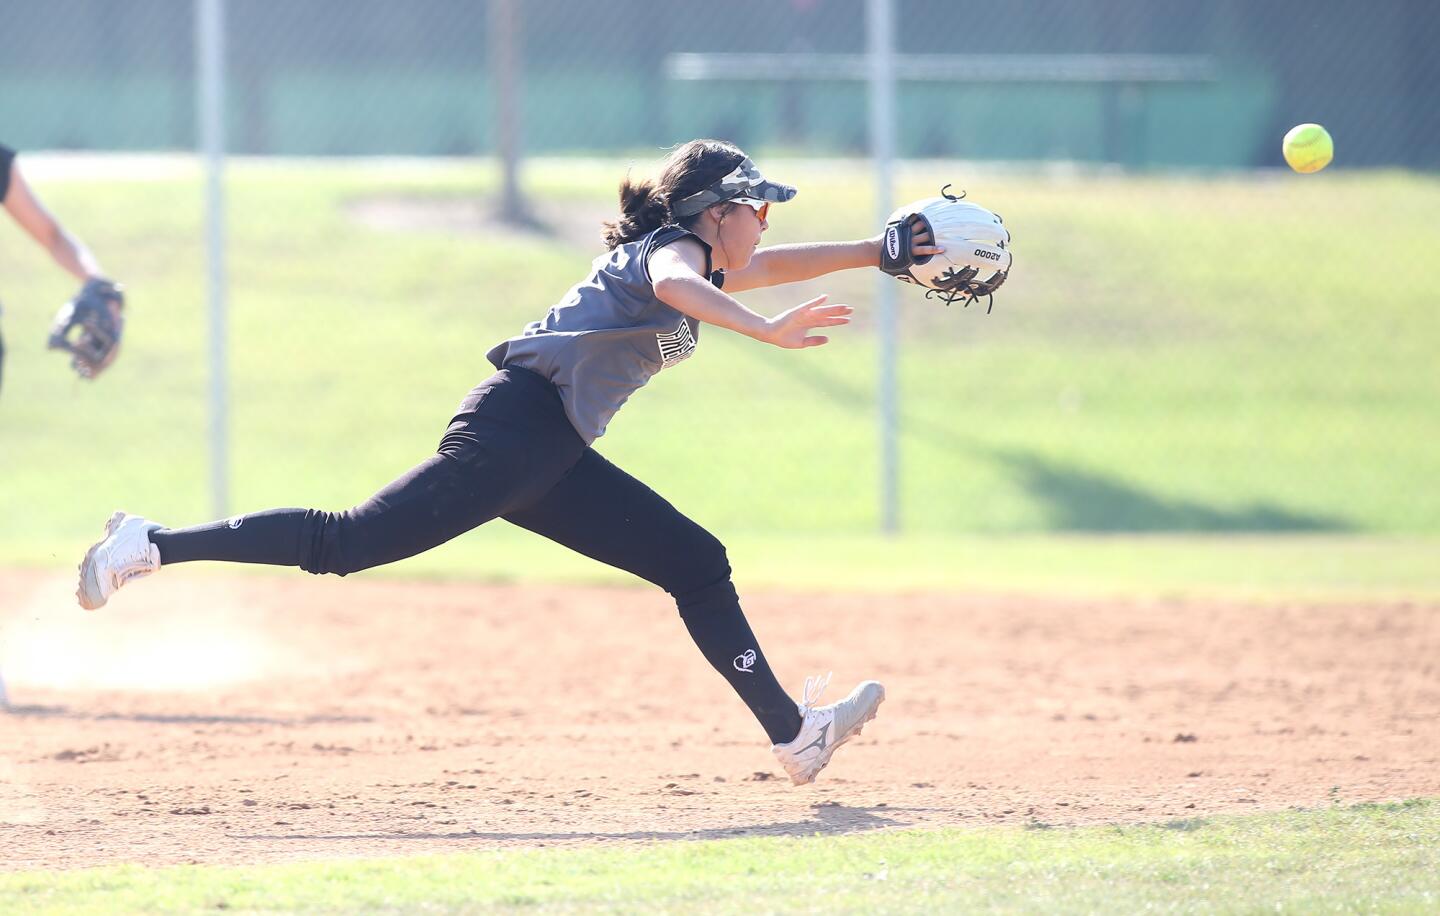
645	204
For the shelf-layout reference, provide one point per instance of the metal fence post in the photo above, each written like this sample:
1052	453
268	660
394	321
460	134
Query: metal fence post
880	40
506	55
210	117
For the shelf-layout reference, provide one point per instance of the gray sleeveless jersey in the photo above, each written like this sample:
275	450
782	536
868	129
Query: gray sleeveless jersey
608	336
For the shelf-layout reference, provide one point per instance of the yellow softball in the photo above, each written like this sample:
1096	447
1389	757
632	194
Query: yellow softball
1308	148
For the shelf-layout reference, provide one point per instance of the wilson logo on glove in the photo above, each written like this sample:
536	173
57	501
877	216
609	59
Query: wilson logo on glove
892	243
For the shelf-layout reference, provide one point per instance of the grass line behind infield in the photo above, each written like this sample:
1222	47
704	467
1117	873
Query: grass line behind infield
1256	567
1370	857
1251	567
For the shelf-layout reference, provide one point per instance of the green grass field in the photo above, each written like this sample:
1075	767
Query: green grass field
1173	357
1368	858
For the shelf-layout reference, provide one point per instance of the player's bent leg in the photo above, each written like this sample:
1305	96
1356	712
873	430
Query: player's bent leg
717	624
602	512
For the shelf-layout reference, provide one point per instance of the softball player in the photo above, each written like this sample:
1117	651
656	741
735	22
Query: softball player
520	445
95	310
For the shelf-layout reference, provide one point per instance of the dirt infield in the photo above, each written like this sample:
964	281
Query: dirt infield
210	719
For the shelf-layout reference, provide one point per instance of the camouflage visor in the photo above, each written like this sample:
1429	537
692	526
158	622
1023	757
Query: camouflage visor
745	181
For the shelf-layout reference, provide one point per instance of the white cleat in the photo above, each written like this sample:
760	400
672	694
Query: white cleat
125	553
824	728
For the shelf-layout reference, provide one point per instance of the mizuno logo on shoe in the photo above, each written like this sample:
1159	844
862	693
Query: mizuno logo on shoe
821	741
745	661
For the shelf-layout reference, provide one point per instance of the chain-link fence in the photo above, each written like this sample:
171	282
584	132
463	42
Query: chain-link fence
1192	339
1154	84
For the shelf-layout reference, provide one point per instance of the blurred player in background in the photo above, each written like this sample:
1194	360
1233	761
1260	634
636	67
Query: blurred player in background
95	314
520	445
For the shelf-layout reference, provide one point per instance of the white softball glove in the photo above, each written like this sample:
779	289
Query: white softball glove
977	254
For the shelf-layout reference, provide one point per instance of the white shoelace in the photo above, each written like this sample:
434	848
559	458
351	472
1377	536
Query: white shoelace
814	688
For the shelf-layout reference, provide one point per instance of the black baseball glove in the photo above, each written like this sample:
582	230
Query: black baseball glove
88	327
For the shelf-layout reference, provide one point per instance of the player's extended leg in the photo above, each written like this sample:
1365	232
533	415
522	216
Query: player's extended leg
506	446
433	502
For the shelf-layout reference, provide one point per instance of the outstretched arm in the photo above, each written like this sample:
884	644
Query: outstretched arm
675	274
779	264
67	250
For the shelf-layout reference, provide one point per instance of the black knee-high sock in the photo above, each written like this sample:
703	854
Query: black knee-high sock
271	537
718	626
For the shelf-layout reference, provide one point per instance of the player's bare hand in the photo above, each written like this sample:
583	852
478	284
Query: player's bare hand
791	329
920	239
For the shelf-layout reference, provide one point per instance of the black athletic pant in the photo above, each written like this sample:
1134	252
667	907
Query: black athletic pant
511	452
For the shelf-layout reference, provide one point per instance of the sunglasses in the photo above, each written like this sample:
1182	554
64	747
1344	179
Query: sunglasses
761	207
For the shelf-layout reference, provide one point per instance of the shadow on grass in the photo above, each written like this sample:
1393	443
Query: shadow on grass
831	819
1083	501
1185	824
